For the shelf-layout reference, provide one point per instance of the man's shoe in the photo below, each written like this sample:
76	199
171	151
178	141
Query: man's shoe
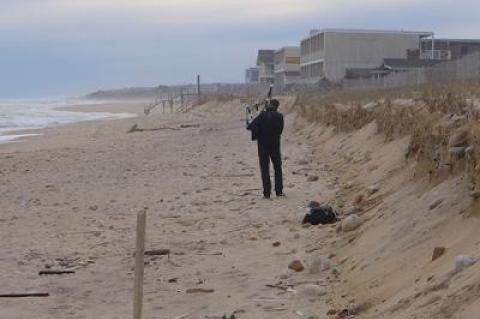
266	196
281	195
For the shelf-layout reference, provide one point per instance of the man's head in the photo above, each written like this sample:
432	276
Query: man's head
273	106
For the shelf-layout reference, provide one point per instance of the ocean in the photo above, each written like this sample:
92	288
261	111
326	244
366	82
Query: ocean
18	115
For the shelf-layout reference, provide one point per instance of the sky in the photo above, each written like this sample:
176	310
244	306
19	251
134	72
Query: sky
51	48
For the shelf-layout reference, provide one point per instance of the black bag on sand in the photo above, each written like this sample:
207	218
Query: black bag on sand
320	214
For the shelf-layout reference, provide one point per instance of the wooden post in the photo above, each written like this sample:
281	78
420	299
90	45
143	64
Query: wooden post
198	90
139	253
181	100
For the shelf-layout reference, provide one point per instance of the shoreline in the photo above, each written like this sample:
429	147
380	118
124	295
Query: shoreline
82	132
110	112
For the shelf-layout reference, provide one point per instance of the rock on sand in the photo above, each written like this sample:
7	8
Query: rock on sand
351	223
296	265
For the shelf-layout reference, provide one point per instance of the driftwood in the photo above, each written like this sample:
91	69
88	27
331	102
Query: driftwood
280	286
237	175
85	232
55	272
158	252
155	252
173	264
189	125
199	290
25	295
210	254
135	128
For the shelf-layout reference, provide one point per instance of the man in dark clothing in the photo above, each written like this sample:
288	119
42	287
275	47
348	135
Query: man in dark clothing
267	129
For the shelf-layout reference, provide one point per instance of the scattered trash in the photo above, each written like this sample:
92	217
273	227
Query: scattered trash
336	271
463	261
318	263
319	214
313	178
457	150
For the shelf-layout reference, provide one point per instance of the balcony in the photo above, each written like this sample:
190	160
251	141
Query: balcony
287	67
313	57
436	55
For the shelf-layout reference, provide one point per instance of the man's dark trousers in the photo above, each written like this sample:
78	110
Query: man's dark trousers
265	154
267	129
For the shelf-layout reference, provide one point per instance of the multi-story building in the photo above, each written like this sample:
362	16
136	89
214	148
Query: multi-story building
251	75
265	63
327	54
448	49
287	67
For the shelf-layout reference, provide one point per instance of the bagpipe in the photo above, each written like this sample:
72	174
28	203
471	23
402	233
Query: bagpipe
253	110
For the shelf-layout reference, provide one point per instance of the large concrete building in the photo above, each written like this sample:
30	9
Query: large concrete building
251	75
287	67
265	64
327	54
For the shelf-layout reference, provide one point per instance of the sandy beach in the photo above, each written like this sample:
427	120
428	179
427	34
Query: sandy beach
71	195
70	198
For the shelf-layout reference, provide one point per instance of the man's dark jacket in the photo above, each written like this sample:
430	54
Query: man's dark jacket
267	128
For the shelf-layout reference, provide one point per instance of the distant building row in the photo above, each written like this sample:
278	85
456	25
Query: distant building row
335	54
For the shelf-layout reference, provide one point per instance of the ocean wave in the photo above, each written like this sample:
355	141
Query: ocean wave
18	115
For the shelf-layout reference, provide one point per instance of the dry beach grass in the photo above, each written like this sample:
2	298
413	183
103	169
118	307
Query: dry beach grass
417	148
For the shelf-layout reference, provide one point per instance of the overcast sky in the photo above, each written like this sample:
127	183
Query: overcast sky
70	47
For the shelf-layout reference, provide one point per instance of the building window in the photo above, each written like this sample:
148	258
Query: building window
464	50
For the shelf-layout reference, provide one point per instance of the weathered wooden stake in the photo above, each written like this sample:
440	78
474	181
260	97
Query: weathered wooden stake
138	288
